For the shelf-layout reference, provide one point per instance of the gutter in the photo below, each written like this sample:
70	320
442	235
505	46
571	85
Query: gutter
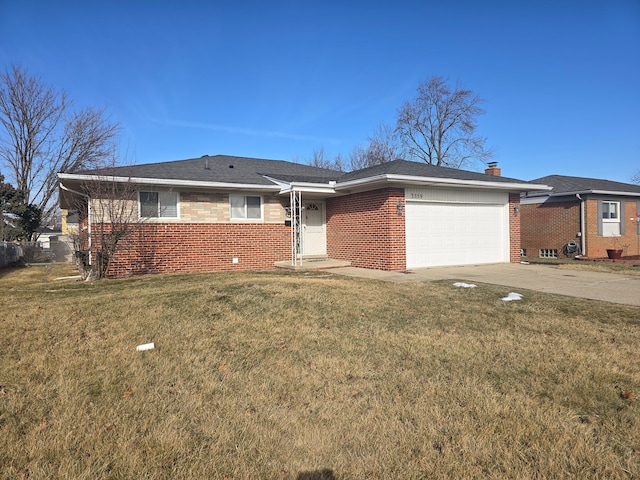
583	192
583	241
436	181
167	182
329	188
326	188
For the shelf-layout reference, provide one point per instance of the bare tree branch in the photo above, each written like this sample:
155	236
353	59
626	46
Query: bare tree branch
383	146
320	159
111	206
41	136
438	126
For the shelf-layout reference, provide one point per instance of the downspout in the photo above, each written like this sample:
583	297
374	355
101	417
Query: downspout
583	242
88	213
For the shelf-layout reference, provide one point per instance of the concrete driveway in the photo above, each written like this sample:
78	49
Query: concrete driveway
609	287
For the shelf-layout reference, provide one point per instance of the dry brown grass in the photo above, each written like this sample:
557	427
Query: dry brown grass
623	268
310	376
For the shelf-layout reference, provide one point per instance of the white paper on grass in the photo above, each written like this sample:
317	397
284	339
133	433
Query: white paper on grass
464	285
512	296
145	346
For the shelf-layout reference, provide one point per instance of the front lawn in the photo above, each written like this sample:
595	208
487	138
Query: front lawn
309	376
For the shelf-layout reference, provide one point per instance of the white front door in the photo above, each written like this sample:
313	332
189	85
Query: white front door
314	241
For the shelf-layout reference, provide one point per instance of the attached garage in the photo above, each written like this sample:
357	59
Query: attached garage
456	227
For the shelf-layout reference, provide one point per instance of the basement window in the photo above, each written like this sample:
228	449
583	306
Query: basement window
158	204
548	253
245	207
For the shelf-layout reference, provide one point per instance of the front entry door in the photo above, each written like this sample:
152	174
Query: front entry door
313	227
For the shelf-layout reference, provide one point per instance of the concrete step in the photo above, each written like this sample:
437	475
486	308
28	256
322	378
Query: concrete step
313	264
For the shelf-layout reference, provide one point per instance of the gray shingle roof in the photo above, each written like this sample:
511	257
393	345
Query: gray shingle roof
415	169
225	169
252	171
565	184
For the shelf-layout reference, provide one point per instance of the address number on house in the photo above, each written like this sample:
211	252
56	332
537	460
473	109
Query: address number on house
450	195
416	194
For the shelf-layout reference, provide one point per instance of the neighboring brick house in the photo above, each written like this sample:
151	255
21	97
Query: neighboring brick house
583	216
235	213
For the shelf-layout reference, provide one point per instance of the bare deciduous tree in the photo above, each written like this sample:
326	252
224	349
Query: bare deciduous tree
107	203
636	178
320	159
41	135
384	146
439	125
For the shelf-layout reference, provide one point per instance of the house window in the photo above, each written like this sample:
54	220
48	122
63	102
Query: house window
610	219
245	207
158	204
548	253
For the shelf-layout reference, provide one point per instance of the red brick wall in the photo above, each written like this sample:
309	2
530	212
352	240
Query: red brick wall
549	226
365	229
164	248
514	228
597	246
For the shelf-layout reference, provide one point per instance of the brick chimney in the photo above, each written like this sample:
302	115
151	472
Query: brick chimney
492	169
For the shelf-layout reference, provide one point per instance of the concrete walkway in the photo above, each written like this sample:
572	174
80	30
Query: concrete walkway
609	287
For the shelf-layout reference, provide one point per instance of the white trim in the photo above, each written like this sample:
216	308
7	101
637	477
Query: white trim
435	181
329	188
617	209
456	196
325	188
582	192
168	182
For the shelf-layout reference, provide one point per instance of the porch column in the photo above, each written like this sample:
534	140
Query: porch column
295	201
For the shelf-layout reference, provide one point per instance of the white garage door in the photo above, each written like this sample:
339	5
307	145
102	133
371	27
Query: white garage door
439	234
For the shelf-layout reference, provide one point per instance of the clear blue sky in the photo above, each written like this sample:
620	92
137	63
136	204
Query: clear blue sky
561	79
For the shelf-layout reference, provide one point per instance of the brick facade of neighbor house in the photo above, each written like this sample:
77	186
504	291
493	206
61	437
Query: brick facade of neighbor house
180	247
597	245
552	224
549	226
514	228
366	229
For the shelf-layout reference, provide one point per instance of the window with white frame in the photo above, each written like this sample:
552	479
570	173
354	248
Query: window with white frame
158	204
610	219
245	207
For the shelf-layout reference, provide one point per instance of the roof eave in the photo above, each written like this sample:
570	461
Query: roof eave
167	182
436	181
582	192
305	187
